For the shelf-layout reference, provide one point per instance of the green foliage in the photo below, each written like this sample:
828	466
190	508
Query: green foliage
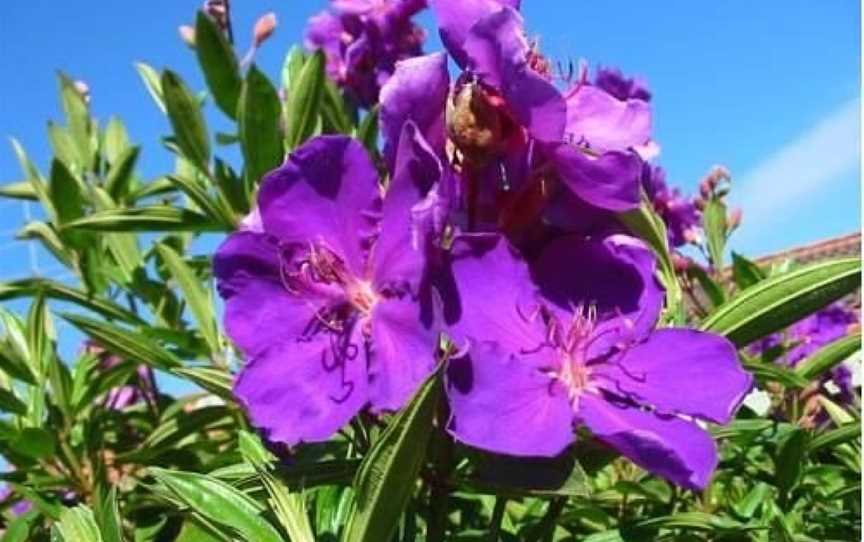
187	466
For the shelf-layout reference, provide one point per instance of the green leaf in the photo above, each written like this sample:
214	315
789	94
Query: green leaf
212	207
197	297
63	147
303	101
78	121
835	437
65	191
115	140
258	126
781	300
37	182
367	131
119	177
334	110
646	224
219	503
744	272
34	443
714	223
219	64
187	120
20	190
747	506
291	66
108	516
154	218
216	381
39	335
150	77
125	343
47	235
713	290
57	290
386	478
78	525
828	357
771	372
10	403
789	462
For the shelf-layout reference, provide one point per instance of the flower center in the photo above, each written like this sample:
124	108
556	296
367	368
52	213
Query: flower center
361	295
574	376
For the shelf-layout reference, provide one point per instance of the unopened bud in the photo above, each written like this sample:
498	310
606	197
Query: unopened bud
187	34
83	89
699	203
734	219
705	189
681	263
264	28
474	123
218	11
692	236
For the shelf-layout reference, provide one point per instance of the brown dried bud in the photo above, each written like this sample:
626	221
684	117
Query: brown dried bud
187	34
699	203
474	123
264	28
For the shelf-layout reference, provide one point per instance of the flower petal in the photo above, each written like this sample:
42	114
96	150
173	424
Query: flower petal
606	123
322	194
259	311
417	91
497	52
495	295
501	402
418	169
456	18
610	181
682	371
667	446
305	390
403	352
615	276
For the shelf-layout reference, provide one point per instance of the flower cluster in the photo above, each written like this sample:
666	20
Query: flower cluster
497	228
363	39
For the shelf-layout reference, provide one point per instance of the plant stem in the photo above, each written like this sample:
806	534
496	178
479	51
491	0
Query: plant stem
497	517
437	522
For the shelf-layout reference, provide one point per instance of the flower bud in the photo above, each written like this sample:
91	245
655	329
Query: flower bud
705	189
187	34
264	28
83	89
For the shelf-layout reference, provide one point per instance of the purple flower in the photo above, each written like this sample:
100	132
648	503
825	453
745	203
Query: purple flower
328	302
680	214
121	397
506	120
363	39
575	346
623	88
17	507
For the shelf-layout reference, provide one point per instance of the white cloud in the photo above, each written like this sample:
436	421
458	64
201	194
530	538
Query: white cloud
809	165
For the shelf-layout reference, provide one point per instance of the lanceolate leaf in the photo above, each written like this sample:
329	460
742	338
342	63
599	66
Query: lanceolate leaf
219	64
833	437
155	218
78	119
198	298
744	272
219	503
65	193
713	290
20	190
120	175
209	204
78	525
187	120
386	478
304	99
150	77
258	121
57	290
125	342
714	223
115	140
828	357
784	299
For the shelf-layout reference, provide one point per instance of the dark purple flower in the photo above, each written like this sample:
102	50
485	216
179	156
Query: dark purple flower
363	39
580	348
623	88
682	218
502	125
327	301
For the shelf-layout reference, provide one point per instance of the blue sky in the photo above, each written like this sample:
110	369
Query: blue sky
770	89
